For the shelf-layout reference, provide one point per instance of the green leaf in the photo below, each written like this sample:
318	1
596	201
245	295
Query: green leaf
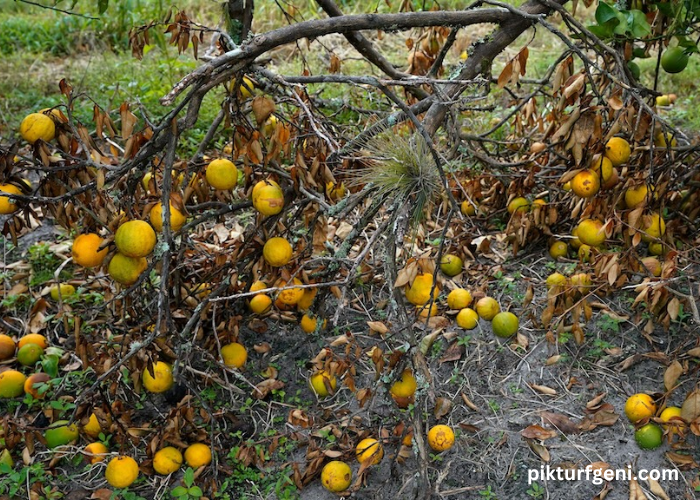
179	491
102	6
605	13
622	26
189	477
640	27
195	491
50	365
603	32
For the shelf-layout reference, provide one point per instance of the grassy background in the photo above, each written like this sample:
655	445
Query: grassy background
39	47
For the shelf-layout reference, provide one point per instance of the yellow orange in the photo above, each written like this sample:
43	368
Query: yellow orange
6	206
177	218
277	251
37	126
618	150
121	472
586	184
85	250
234	355
135	238
441	437
161	380
222	174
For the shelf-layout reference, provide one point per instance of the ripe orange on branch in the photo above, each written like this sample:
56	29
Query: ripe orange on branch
37	126
222	174
586	184
618	151
591	232
135	238
85	250
7	206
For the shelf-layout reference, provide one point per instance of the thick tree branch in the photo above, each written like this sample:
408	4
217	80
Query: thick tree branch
367	50
345	24
479	61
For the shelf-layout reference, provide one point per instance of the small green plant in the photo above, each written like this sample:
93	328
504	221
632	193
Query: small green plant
487	493
188	491
536	491
44	263
607	323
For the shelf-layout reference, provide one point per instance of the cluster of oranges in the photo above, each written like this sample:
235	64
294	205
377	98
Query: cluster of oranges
336	475
641	409
27	351
423	293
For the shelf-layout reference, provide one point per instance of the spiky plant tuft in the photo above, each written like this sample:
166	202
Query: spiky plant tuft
402	168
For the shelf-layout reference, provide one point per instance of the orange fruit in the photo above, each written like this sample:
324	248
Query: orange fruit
62	291
135	238
121	472
85	250
441	437
268	198
519	204
308	323
222	174
656	248
653	227
603	167
505	324
234	355
558	249
586	184
335	191
639	407
247	88
33	382
7	347
451	265
665	140
419	292
268	128
467	208
198	455
584	253
370	451
291	296
37	126
487	308
618	151
555	280
60	433
649	436
95	452
635	196
92	428
459	298
126	270
177	218
277	252
590	232
7	206
405	388
670	412
321	381
260	303
33	338
581	282
336	476
427	312
163	379
167	460
29	354
11	384
467	319
307	299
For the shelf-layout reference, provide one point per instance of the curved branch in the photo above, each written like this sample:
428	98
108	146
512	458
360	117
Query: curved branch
480	59
344	24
